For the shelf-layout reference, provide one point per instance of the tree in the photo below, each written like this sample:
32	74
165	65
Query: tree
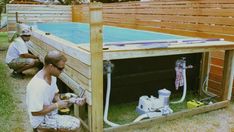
3	6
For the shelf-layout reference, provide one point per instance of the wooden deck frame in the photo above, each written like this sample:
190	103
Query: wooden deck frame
110	54
151	122
93	57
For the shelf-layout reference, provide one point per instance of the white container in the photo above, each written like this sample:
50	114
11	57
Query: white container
164	95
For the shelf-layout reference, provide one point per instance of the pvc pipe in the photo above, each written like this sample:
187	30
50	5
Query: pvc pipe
141	117
185	86
108	98
107	102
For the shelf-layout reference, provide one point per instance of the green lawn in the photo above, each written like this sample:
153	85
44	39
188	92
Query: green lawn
6	100
3	40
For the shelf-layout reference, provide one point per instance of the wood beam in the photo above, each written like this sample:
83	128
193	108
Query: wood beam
96	44
227	75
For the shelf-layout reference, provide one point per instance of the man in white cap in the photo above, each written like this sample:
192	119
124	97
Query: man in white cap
18	58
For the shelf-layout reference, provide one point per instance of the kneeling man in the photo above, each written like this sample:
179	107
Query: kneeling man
43	100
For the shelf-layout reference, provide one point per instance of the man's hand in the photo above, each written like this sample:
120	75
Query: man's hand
78	101
62	103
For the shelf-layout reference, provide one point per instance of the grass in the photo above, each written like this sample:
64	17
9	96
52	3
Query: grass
126	113
6	99
3	41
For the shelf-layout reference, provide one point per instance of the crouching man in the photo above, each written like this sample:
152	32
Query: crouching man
43	100
18	58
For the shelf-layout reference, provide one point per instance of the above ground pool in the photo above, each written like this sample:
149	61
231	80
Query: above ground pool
79	33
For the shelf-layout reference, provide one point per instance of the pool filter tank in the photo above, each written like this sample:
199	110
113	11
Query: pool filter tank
158	106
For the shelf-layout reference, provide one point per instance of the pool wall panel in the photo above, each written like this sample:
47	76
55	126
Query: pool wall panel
74	68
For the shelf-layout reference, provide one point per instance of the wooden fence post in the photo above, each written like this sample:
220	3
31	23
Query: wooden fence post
96	41
228	75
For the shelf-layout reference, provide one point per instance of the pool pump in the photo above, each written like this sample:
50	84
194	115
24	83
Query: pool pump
149	107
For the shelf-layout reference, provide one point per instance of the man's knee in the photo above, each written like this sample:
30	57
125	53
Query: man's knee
33	62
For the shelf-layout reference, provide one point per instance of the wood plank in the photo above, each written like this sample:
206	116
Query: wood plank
151	122
216	70
215	77
30	5
173	18
90	117
77	65
217	61
228	75
183	26
123	53
96	42
211	12
173	2
39	12
74	74
215	85
218	54
171	5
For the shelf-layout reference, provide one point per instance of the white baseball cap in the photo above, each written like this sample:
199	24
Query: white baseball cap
25	31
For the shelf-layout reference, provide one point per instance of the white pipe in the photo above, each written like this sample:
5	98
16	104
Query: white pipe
205	90
108	98
146	115
185	86
141	117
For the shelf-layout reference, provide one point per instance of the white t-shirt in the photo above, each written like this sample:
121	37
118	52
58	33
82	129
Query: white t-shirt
39	93
15	49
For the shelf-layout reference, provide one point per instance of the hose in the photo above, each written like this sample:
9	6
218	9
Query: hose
141	117
205	91
108	67
184	87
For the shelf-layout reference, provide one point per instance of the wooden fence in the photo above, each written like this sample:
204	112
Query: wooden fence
203	18
36	13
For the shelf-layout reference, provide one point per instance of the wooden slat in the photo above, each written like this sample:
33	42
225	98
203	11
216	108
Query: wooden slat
171	5
174	18
211	12
217	61
215	77
218	54
73	74
72	62
215	85
216	70
38	13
